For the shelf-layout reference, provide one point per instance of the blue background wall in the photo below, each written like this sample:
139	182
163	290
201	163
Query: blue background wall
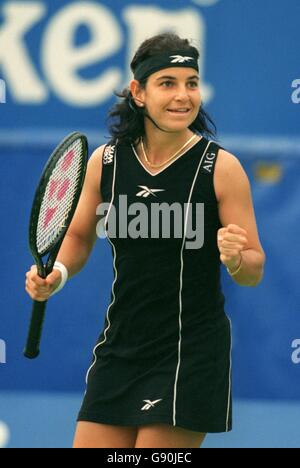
251	87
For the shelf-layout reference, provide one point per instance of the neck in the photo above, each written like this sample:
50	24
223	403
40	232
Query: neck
160	145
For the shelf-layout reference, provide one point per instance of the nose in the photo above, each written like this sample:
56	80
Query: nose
182	94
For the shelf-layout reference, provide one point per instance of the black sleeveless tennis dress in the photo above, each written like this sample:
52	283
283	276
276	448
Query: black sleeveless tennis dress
164	355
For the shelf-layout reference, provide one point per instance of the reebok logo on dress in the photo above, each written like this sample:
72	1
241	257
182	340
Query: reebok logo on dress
146	192
149	404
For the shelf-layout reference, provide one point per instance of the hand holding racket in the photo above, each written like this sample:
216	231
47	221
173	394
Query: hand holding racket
40	289
53	208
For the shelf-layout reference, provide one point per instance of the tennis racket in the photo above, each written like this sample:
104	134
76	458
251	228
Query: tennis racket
53	208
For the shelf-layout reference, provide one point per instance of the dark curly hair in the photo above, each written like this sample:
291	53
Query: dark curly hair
126	119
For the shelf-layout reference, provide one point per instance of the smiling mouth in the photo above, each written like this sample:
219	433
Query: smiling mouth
182	111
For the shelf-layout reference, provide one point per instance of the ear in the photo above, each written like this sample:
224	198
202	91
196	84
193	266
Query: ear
137	93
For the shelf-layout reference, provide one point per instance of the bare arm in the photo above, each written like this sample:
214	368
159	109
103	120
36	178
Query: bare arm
238	240
81	235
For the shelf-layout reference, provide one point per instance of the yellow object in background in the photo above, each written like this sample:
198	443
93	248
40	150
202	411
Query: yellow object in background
268	172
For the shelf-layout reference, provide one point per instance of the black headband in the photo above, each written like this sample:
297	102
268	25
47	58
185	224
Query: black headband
179	58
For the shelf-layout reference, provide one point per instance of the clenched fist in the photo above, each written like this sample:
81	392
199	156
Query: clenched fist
231	241
40	289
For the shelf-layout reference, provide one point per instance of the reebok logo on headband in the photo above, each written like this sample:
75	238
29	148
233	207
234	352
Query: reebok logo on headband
173	58
180	59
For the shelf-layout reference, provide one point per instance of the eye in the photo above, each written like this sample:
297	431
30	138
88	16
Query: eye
193	84
167	83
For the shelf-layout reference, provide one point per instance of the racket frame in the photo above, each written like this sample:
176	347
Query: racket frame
44	269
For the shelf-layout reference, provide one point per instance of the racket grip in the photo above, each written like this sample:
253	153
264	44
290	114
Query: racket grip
32	348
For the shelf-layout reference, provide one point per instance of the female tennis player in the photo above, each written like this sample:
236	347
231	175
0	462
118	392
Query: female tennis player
161	369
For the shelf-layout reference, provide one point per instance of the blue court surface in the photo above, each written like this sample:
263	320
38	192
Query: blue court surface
48	421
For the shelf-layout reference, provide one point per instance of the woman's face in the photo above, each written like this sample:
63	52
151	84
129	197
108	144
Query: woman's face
172	97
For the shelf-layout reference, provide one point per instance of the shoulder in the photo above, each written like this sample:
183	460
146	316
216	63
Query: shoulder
100	156
97	155
229	174
94	171
227	164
